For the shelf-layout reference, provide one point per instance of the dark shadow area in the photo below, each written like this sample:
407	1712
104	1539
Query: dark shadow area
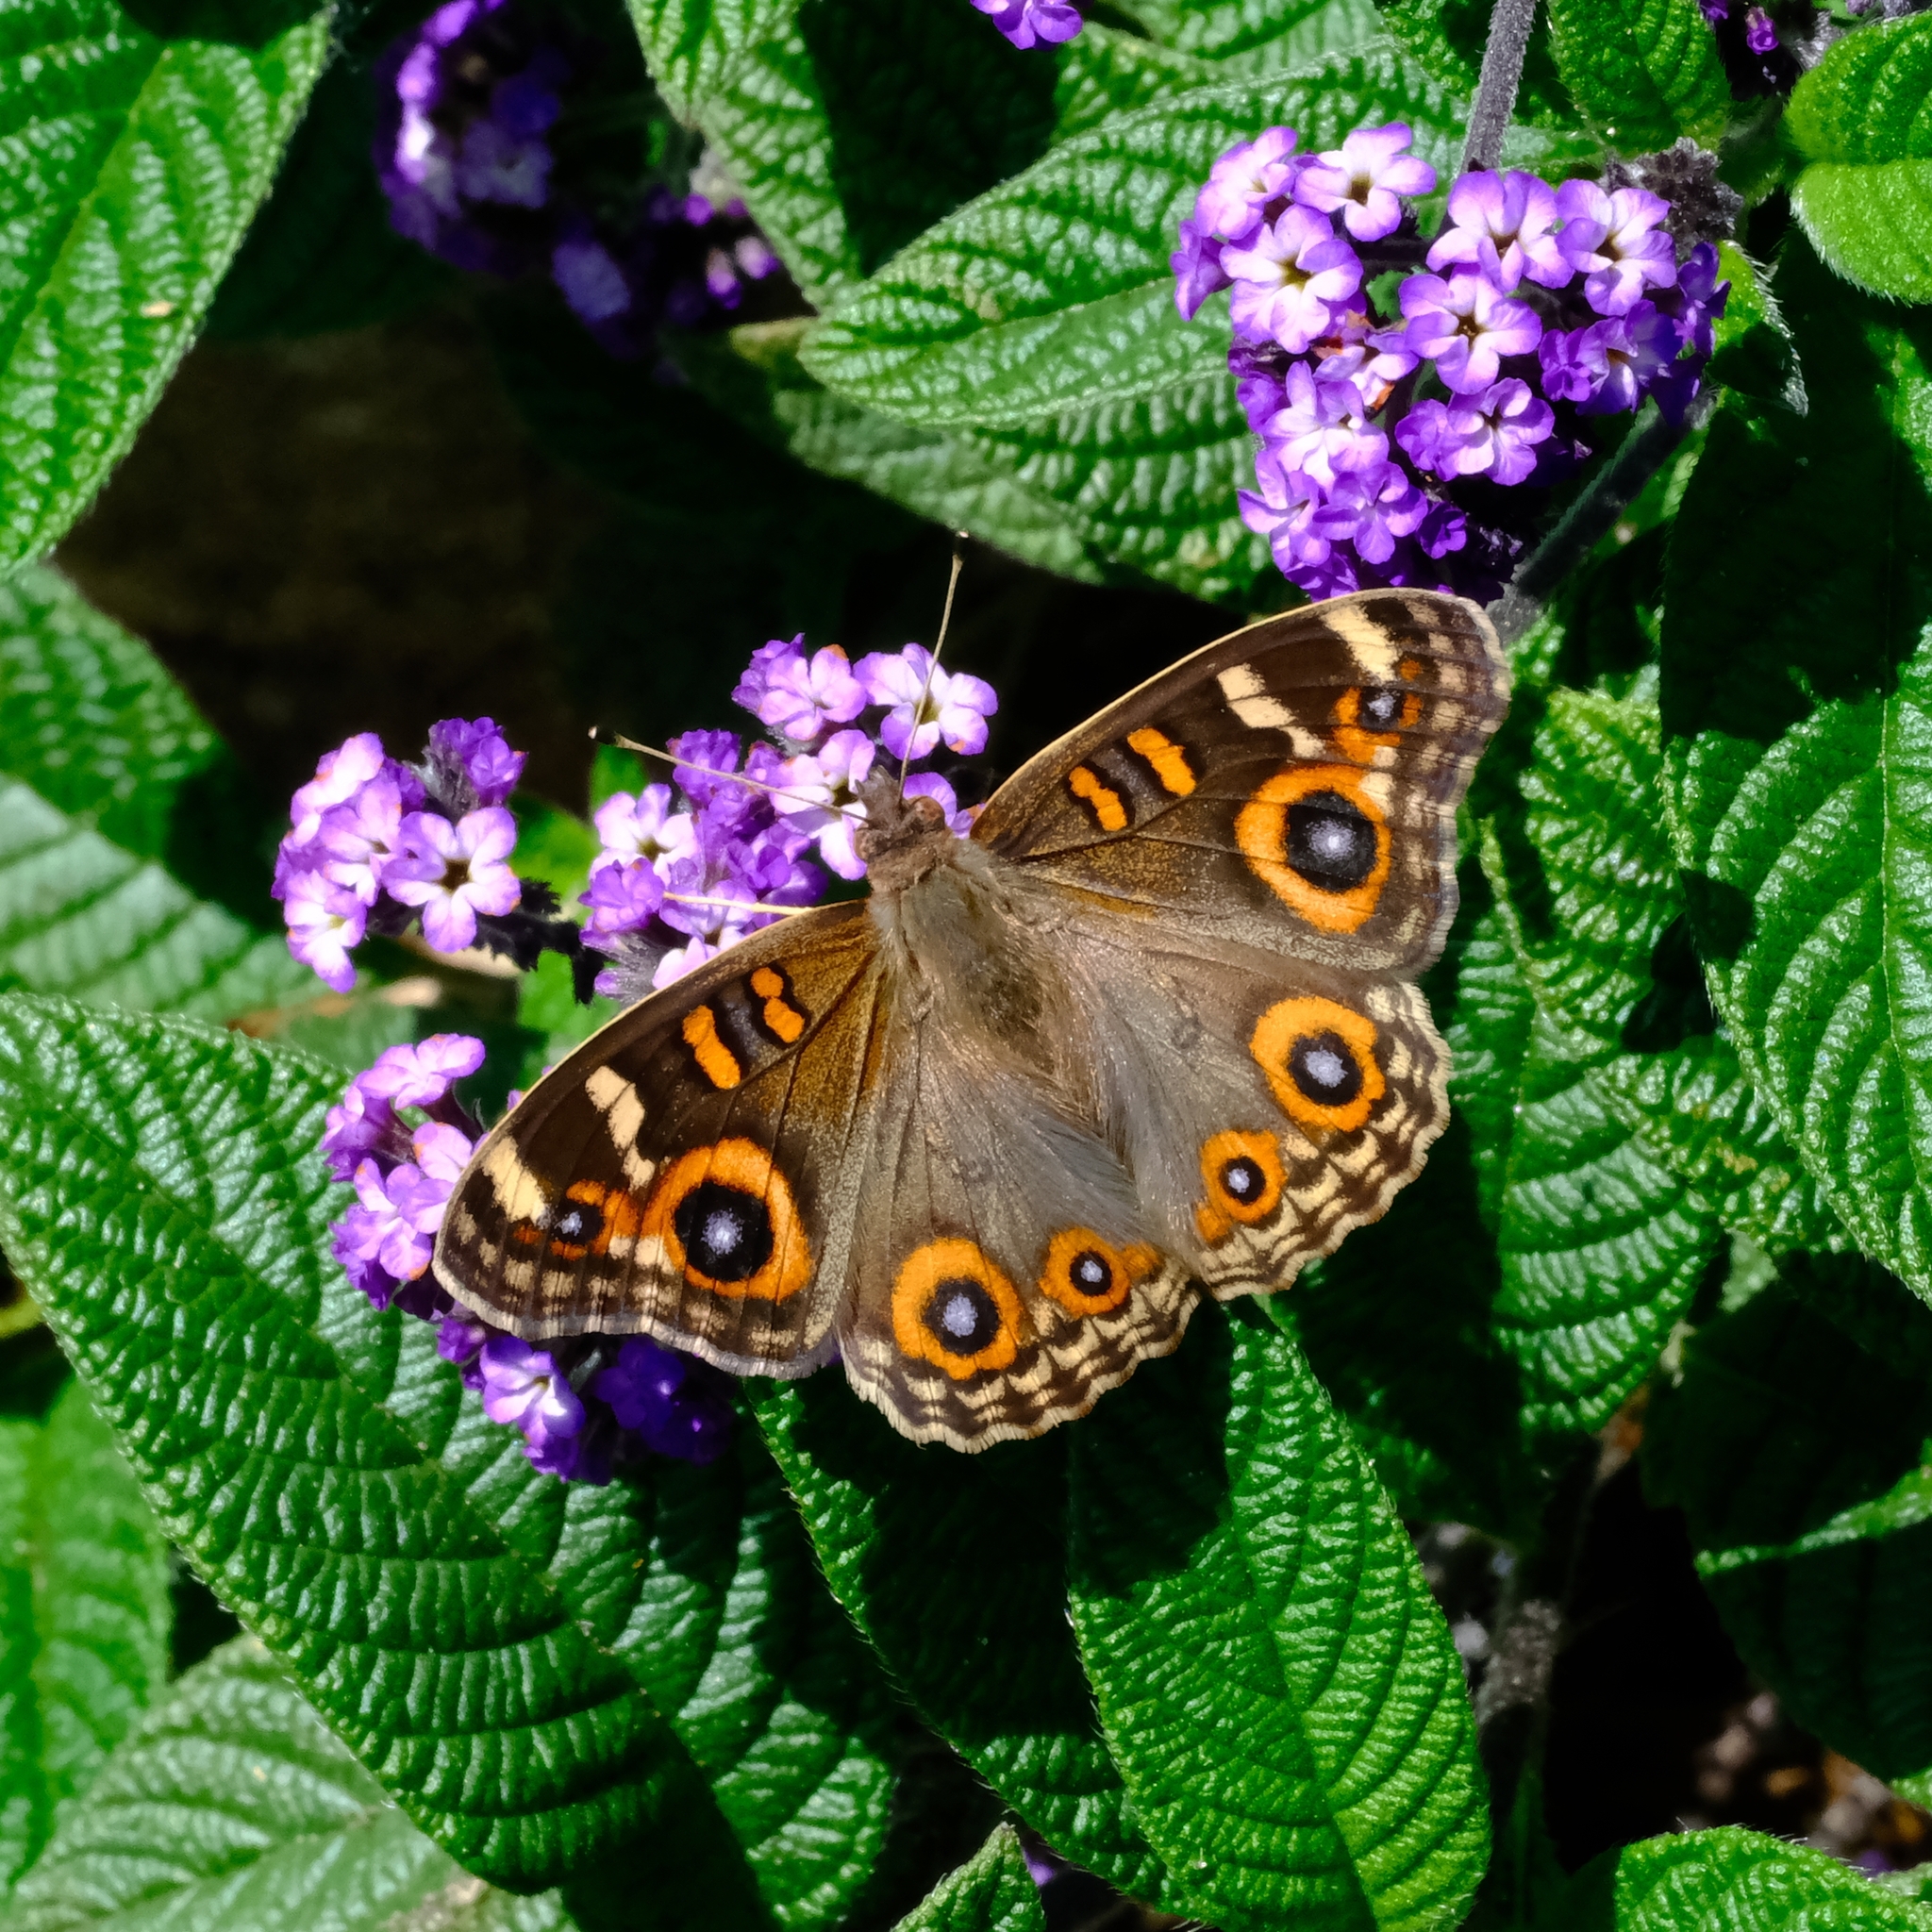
1677	1006
239	23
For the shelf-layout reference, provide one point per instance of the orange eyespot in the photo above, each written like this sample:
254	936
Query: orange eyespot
728	1221
1368	721
588	1218
1087	1276
1244	1180
951	1307
1320	1060
1316	838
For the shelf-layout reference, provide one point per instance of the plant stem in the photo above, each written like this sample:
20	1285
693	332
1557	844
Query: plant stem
1646	450
1496	92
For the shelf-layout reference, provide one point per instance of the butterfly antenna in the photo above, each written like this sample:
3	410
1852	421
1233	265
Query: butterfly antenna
939	644
618	742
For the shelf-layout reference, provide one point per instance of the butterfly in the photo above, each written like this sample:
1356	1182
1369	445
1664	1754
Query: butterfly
986	1136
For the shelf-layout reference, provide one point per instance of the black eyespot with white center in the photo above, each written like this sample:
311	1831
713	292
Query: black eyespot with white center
1331	842
1242	1180
725	1231
1324	1069
1380	711
961	1316
578	1223
1091	1273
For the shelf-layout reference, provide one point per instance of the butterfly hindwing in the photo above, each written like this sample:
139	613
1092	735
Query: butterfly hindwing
1293	786
677	1175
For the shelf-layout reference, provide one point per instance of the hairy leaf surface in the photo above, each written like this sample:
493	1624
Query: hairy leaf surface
84	1599
134	166
1281	1693
1259	36
490	1641
1643	72
993	1893
1797	719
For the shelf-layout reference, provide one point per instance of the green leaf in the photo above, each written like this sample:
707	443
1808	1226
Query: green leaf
1731	1880
1643	72
1052	291
84	1615
1800	1462
1448	36
945	1562
232	1809
993	1893
1859	120
322	254
1258	35
134	166
1796	693
1281	1693
1608	958
1602	1246
492	1643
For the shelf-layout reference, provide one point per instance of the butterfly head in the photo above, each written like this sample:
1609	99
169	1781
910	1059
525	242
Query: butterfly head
903	839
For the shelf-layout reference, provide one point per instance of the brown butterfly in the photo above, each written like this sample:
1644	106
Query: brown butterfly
987	1134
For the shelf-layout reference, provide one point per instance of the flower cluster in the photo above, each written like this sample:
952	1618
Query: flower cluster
1028	22
375	846
471	111
402	1137
1383	434
682	874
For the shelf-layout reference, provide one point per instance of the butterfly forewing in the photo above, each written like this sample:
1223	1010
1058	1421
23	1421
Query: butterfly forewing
1293	786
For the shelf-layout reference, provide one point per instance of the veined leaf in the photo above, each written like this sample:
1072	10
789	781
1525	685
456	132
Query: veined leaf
1643	72
946	1562
1800	1462
84	1596
1602	1246
1259	36
1053	290
1797	714
490	1641
698	48
1731	1880
1448	37
1865	195
1608	958
1278	1686
135	165
994	1893
232	1809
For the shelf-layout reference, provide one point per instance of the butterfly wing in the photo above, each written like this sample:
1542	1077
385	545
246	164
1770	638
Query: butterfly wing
680	1173
1292	787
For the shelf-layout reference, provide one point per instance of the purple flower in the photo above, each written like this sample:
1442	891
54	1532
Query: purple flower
459	1339
338	775
325	924
1363	178
822	797
1467	326
801	697
622	897
394	1220
659	1394
477	752
359	1125
1760	36
359	839
1698	299
1285	511
1613	239
1369	509
1494	434
929	705
771	866
1501	225
1242	181
1290	279
1322	426
522	1385
1028	22
1372	359
423	1073
1611	364
1198	269
455	872
713	757
643	827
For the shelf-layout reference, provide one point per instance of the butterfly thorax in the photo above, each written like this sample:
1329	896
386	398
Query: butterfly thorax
903	839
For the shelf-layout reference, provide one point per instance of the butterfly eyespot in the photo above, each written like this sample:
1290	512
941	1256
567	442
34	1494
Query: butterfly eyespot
951	1307
1317	840
1088	1276
1320	1060
1244	1179
728	1223
1369	719
586	1220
